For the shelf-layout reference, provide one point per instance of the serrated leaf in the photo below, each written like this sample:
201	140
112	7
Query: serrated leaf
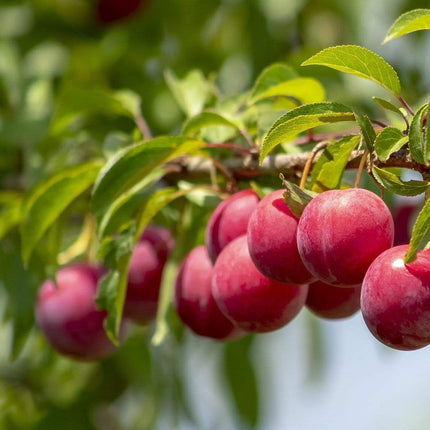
241	379
393	183
358	61
270	77
49	199
420	233
305	90
296	198
389	140
416	136
387	105
10	210
301	119
367	130
206	119
190	92
132	164
413	20
328	170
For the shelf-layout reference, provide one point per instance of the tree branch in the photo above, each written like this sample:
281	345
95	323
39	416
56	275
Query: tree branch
288	164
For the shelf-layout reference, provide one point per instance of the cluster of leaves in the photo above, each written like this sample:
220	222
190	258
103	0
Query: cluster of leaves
97	206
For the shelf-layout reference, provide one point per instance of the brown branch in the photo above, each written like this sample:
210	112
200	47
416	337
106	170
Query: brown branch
288	164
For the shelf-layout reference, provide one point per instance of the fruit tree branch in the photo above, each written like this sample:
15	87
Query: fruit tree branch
288	164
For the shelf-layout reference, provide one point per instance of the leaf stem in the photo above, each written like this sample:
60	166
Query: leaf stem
361	168
247	137
406	106
318	147
143	125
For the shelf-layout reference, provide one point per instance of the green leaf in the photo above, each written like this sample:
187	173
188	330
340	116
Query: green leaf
393	183
387	105
206	119
301	119
296	198
427	137
190	92
389	140
118	253
420	233
242	380
305	90
413	20
21	289
367	130
132	164
270	77
358	61
49	199
75	102
10	210
122	210
416	136
328	170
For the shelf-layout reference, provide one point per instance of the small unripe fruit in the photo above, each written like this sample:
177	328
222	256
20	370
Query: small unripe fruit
341	232
252	301
327	301
272	241
194	300
229	220
68	316
395	299
145	274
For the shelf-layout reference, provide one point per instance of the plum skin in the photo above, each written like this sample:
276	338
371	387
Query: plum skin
194	301
252	301
329	302
145	273
395	299
229	221
272	241
341	232
68	315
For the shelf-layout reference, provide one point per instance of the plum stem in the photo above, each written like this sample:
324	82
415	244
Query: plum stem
318	147
361	168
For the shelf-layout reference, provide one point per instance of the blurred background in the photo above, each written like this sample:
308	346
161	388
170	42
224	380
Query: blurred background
54	57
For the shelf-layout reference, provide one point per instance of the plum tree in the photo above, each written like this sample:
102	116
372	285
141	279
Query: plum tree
327	301
229	220
68	316
252	301
272	241
145	274
194	300
341	232
395	299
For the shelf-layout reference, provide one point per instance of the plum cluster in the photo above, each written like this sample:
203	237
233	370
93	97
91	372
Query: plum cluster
259	267
261	264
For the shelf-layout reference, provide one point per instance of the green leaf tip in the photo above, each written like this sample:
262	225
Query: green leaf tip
409	22
358	61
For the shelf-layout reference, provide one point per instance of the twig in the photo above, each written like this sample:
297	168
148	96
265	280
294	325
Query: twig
143	125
